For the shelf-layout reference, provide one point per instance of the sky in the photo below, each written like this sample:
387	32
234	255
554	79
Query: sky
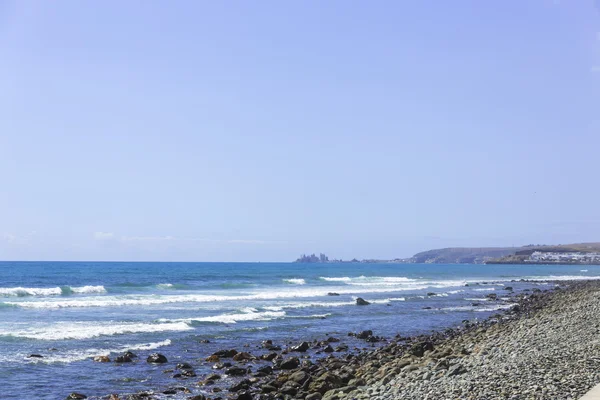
257	131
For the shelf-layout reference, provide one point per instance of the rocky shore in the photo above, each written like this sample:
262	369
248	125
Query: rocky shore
545	345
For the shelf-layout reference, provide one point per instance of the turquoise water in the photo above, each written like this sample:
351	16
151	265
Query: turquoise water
69	312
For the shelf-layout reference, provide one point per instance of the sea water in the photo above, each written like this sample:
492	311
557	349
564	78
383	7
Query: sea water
68	312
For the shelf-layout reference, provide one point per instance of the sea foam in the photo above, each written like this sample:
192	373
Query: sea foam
54	291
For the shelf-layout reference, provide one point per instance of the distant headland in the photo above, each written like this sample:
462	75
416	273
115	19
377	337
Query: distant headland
576	254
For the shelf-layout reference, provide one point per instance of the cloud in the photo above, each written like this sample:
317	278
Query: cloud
596	68
9	237
147	238
104	235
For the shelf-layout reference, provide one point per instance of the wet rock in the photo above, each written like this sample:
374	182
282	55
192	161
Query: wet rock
268	357
205	341
156	358
236	371
508	288
290	363
267	370
302	347
332	339
225	353
243	356
325	382
328	349
245	395
76	396
418	349
101	359
430	294
35	356
241	385
364	334
198	397
333	294
266	388
213	358
492	296
361	302
426	308
125	358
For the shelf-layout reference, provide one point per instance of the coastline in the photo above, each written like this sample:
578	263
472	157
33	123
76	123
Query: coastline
542	347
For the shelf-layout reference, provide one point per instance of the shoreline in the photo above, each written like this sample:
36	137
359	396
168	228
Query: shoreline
452	363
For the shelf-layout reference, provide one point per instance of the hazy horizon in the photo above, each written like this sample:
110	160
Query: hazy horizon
208	131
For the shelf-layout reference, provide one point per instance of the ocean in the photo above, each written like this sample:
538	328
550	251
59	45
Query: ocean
68	312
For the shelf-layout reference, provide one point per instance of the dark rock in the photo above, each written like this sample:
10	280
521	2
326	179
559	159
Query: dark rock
426	308
342	347
205	341
333	294
184	366
243	356
245	395
475	304
35	356
225	353
325	382
418	349
299	377
268	388
302	347
364	334
508	288
125	358
314	396
268	357
76	396
328	349
267	369
236	371
492	296
241	385
198	397
361	302
290	363
156	358
332	339
430	294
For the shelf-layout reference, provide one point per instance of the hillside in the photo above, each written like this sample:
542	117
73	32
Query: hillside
480	255
463	255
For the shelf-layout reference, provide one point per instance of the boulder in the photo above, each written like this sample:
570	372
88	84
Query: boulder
328	349
302	347
333	294
492	296
225	353
290	363
299	377
102	359
156	358
243	356
508	288
35	356
364	334
361	302
245	395
430	294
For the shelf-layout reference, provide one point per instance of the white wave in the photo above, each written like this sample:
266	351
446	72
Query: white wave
231	318
311	304
397	299
475	299
164	285
342	279
88	289
295	281
479	308
563	278
23	291
314	316
583	270
55	291
484	289
265	294
80	355
455	291
86	330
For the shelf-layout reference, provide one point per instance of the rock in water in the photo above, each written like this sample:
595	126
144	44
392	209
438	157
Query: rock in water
361	302
35	356
101	359
76	396
156	358
302	347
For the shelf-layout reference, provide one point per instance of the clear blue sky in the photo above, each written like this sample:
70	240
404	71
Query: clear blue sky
208	130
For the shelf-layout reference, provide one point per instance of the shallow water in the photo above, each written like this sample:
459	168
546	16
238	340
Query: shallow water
69	312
